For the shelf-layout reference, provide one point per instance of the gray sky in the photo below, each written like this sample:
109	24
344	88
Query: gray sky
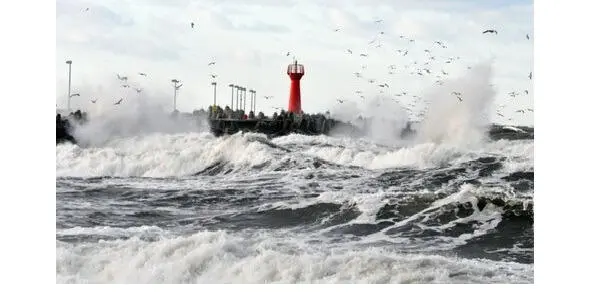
249	40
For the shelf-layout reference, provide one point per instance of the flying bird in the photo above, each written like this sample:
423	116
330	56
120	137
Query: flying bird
267	96
211	63
527	36
526	92
124	85
340	100
337	29
363	55
380	20
86	9
93	100
490	31
520	111
118	102
350	52
75	94
192	25
142	74
287	54
122	78
213	76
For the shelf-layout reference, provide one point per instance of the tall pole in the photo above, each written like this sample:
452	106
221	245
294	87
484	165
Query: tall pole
232	102
176	88
241	96
251	99
214	93
69	62
254	92
244	99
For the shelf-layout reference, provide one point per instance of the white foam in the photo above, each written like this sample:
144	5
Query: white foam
219	257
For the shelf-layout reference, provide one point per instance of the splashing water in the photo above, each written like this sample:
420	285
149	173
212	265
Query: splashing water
451	120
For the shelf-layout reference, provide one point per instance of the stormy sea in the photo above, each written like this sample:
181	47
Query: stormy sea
144	199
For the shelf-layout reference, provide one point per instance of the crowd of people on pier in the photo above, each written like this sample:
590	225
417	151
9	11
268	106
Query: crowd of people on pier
228	121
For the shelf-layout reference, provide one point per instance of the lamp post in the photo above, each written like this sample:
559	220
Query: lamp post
244	99
251	99
254	92
176	88
240	96
69	62
214	93
232	102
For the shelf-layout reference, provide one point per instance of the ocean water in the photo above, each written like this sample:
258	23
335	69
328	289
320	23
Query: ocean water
192	208
145	199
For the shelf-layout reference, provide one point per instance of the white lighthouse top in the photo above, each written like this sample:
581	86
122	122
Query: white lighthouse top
295	68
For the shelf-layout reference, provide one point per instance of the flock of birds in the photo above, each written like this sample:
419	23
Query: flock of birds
420	68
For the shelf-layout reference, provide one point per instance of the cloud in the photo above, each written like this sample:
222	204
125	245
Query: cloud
249	41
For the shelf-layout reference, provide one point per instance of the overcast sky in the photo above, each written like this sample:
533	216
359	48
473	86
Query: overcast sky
249	41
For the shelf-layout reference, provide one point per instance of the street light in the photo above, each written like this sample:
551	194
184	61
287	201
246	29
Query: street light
232	102
254	92
251	99
244	99
176	88
239	97
69	62
214	93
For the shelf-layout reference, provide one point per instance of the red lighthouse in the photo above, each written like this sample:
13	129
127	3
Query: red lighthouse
295	72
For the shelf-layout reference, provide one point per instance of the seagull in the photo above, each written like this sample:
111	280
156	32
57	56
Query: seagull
337	29
93	100
287	54
340	100
444	73
520	111
211	63
213	76
526	92
490	31
349	50
75	94
530	109
122	78
527	36
363	55
499	114
124	85
118	102
142	74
